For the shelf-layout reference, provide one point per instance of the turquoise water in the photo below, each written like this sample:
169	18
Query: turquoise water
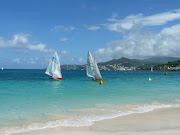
30	101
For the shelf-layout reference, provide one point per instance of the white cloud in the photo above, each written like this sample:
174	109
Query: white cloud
21	41
64	52
70	28
26	61
139	20
81	60
31	61
168	41
72	59
59	28
40	47
95	27
63	39
16	60
140	44
113	18
162	18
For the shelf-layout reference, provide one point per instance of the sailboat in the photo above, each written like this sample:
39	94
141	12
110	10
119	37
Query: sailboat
151	68
54	69
2	68
92	69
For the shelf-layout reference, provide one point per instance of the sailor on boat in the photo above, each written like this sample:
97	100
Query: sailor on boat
165	73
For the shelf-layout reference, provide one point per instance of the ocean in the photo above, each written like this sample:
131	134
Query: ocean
30	101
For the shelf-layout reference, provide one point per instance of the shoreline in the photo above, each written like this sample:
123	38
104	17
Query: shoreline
163	121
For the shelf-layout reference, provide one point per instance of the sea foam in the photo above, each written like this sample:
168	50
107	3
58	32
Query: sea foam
86	117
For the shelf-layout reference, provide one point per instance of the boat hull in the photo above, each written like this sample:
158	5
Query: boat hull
54	78
96	79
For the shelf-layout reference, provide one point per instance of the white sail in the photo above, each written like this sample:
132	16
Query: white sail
2	68
97	72
92	68
90	65
54	69
151	68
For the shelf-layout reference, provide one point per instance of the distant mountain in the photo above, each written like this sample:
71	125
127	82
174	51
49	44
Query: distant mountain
72	67
123	62
136	62
140	64
173	66
160	60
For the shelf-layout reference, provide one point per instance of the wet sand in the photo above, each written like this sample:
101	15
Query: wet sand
158	122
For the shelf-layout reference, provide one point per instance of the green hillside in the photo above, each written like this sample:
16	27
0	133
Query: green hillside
175	65
123	62
161	60
159	63
142	63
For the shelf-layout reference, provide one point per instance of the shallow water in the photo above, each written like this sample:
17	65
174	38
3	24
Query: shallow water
29	100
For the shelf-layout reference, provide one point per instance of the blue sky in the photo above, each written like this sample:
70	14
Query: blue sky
30	31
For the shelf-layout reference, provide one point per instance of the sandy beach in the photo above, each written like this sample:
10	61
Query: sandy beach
158	122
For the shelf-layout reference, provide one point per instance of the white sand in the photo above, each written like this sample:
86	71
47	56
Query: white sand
157	122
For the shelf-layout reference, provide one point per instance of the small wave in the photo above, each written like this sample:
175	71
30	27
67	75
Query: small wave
86	117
